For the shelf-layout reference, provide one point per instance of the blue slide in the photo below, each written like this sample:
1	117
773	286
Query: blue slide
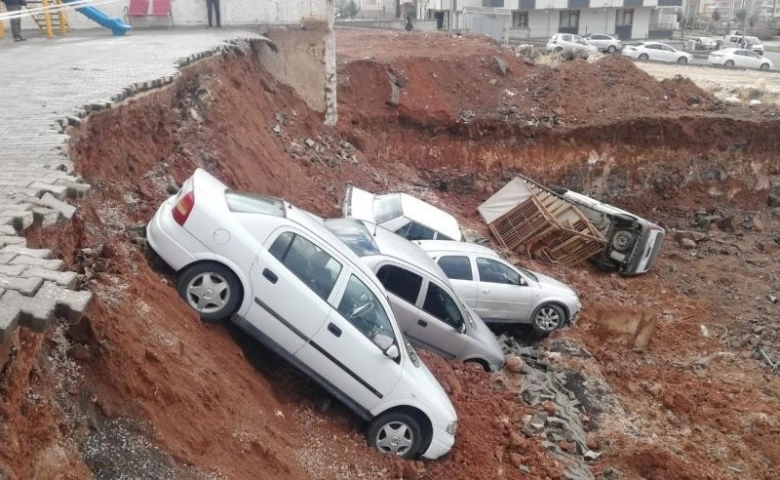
117	26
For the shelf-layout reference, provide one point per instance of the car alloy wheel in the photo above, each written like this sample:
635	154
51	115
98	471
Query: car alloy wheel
764	66
211	289
611	49
729	64
547	318
396	433
682	60
644	57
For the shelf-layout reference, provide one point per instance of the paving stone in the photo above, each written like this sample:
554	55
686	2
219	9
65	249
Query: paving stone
20	219
32	312
70	304
7	230
30	252
65	209
26	286
12	240
64	279
53	264
59	191
6	258
12	270
75	189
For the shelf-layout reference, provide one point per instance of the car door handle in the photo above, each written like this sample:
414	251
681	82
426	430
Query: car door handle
422	322
334	329
271	276
485	290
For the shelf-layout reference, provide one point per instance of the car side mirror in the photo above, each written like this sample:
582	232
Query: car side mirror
393	352
387	345
462	327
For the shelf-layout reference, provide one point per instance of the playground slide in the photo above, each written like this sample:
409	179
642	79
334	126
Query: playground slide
117	26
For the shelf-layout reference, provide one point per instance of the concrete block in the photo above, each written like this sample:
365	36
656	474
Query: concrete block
30	252
64	279
31	312
65	209
59	191
70	304
12	270
6	258
12	240
75	189
9	320
7	230
45	216
2	291
20	219
53	264
25	286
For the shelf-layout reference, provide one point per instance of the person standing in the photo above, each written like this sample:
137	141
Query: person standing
16	22
212	4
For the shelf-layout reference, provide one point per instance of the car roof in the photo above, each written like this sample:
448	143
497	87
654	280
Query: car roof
451	246
426	214
367	239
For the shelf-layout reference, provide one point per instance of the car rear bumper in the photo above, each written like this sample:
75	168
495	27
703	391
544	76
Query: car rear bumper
441	443
166	237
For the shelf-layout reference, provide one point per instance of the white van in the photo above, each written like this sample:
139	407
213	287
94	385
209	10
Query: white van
285	279
428	310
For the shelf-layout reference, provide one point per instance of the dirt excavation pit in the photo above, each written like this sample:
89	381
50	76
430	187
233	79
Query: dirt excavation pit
141	386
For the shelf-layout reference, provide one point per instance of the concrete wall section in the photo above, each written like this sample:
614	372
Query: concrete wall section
193	13
641	22
543	23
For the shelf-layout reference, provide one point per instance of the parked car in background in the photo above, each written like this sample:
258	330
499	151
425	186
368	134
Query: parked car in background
605	43
403	214
284	278
740	58
704	43
501	292
426	307
742	41
656	51
570	45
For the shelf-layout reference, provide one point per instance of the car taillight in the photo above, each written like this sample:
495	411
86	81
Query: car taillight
183	207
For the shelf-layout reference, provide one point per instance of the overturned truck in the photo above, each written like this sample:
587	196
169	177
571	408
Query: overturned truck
566	227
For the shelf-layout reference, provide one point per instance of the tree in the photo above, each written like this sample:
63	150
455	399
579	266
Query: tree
715	15
752	20
741	15
397	8
353	8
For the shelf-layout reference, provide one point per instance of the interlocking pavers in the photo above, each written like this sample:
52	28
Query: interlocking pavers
50	85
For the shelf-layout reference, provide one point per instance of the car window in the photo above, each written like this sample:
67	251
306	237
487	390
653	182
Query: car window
492	271
751	54
312	265
249	203
401	282
667	48
415	231
442	306
566	38
441	236
456	267
387	207
363	310
652	46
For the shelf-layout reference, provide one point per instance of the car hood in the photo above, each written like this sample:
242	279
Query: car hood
430	392
482	334
549	284
358	204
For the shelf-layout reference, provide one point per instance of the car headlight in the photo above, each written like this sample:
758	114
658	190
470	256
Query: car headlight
452	428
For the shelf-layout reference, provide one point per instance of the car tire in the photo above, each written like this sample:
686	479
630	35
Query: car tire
611	49
622	240
212	290
729	64
396	433
643	57
764	66
682	60
558	49
546	319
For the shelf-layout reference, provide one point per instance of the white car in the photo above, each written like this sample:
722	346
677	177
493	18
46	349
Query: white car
605	43
284	278
401	213
570	45
501	292
739	57
656	51
742	41
427	308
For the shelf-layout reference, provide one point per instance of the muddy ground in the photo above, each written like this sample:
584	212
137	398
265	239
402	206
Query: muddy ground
142	388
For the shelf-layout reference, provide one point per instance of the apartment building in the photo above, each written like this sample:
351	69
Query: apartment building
508	19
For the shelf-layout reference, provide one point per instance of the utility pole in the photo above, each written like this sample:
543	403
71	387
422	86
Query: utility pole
452	14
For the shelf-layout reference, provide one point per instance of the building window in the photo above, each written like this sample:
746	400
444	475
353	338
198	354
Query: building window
570	19
519	19
493	3
625	17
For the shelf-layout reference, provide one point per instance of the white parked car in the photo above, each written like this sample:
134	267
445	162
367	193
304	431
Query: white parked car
656	51
426	307
741	41
501	292
401	213
740	58
285	279
570	45
605	43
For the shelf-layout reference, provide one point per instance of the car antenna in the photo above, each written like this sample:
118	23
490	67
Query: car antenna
375	227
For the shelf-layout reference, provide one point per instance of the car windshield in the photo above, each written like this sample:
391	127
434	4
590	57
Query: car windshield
354	234
249	203
387	207
528	273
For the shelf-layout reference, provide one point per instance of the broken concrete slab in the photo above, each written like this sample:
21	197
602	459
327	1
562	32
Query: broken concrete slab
30	252
63	279
70	303
53	264
25	286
